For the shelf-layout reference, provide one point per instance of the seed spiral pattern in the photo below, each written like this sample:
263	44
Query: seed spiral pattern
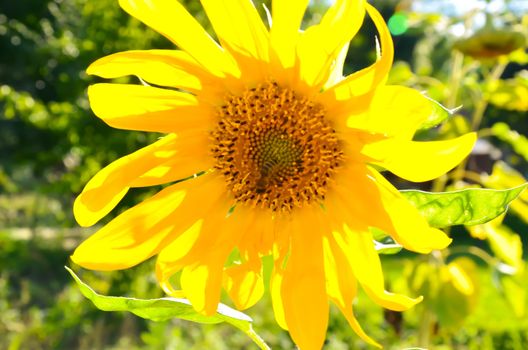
275	148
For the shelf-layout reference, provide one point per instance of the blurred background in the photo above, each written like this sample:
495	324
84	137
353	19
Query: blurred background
468	54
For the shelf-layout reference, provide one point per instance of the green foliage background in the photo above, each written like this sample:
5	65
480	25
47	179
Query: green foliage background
51	144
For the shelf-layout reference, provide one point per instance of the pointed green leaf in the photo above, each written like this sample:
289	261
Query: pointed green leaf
471	206
438	115
167	308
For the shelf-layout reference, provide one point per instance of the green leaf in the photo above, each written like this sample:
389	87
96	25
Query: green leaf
517	141
458	293
513	290
167	308
438	115
504	176
471	206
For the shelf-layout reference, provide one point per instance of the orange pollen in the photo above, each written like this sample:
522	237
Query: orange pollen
275	148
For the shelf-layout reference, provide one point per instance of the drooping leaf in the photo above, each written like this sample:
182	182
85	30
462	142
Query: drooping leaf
168	308
466	207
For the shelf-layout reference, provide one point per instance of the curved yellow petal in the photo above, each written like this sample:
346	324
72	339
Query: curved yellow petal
285	29
206	199
365	264
154	224
133	236
410	229
303	288
202	251
238	26
171	19
282	229
184	156
320	45
201	281
244	283
172	68
354	199
367	79
276	281
419	161
341	285
145	108
352	94
179	168
395	111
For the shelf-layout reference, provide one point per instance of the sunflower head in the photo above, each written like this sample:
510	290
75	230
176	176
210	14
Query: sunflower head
269	151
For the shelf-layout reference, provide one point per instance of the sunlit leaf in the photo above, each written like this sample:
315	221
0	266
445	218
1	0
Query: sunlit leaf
466	207
455	126
503	176
505	244
168	308
517	141
400	73
513	290
438	115
458	293
511	94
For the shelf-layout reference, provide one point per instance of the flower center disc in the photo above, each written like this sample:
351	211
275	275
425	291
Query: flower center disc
275	149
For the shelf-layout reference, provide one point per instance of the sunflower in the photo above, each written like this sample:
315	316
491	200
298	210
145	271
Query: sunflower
280	155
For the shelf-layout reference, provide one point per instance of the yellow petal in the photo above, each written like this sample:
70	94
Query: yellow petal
152	225
395	111
352	95
133	236
206	199
303	289
354	199
284	32
202	251
365	264
341	285
145	108
202	283
410	229
276	281
244	284
171	19
320	45
102	193
259	239
238	26
184	156
161	67
419	161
